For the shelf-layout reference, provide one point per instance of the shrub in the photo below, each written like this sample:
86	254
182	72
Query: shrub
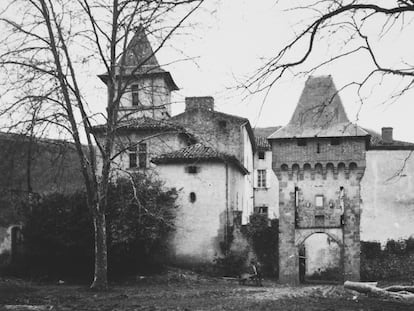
59	234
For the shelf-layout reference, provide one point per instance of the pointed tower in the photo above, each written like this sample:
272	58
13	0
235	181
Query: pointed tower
148	86
319	159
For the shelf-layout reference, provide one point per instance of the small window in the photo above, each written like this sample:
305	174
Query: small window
318	148
261	178
135	94
261	155
132	153
222	124
262	210
142	155
192	197
335	141
319	201
192	169
302	142
319	220
296	197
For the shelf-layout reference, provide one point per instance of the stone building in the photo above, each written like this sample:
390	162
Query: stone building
319	158
206	154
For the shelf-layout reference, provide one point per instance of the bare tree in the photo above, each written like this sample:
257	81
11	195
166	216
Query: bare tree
356	28
45	46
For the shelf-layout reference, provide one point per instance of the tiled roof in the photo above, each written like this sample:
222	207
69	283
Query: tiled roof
143	123
377	143
197	153
319	113
261	134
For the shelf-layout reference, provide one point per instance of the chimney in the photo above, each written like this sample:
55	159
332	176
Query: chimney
202	103
387	135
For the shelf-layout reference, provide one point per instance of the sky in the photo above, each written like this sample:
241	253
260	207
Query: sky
231	42
231	39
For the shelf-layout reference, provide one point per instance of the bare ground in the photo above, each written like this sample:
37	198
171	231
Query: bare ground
187	291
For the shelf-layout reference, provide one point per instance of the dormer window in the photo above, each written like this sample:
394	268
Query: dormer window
135	95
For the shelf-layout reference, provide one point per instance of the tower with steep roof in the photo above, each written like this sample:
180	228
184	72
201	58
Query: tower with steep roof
319	159
147	86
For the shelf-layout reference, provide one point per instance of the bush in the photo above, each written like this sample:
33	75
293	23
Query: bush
59	234
255	239
393	262
265	242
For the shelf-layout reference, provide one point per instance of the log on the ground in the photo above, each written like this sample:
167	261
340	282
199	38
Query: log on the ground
28	307
373	291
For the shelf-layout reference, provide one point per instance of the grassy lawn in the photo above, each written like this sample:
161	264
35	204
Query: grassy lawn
190	292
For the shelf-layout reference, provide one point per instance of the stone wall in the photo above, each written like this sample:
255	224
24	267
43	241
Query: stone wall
319	190
214	130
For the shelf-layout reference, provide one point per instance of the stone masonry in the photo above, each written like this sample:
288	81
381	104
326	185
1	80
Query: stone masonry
319	167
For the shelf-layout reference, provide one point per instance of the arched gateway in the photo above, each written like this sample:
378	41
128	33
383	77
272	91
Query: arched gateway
319	159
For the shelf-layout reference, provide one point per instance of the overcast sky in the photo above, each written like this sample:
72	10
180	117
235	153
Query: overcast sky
230	44
231	39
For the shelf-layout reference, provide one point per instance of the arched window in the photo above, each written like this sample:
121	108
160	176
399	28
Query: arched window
192	197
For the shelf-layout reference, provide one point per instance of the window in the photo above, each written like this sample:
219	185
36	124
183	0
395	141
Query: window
335	141
222	124
318	148
192	169
192	197
319	221
261	155
263	210
135	95
142	155
132	153
319	201
296	197
261	178
302	142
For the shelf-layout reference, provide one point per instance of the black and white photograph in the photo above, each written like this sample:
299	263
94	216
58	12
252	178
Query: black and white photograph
207	155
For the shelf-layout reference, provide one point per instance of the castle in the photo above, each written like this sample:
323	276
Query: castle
319	174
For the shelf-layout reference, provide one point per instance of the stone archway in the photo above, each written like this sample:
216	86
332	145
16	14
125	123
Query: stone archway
320	256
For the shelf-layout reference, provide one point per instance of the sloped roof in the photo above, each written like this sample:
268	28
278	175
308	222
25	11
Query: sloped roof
377	143
261	134
140	60
143	123
198	153
319	113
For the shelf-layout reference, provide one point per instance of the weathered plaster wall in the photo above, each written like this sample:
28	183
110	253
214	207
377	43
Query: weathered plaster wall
387	202
157	143
248	183
267	196
153	92
199	225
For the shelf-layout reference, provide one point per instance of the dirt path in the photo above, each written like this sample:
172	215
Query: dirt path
192	294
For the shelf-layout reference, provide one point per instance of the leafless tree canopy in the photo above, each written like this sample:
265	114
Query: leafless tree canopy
355	28
45	47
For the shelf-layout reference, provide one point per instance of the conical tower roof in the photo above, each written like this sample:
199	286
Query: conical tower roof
319	113
140	60
139	52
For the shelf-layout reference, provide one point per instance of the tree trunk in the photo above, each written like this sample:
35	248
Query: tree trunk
382	293
100	281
